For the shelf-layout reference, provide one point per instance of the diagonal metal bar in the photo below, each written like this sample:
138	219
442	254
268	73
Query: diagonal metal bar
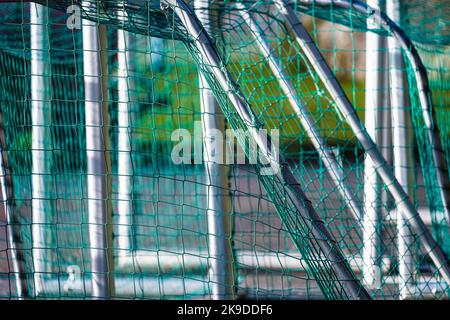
303	206
424	92
325	152
346	109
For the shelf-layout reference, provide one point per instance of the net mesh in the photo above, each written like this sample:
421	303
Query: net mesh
274	253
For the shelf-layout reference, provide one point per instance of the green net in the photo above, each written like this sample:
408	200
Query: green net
168	249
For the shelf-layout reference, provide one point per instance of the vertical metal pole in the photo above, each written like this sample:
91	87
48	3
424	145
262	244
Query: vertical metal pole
41	145
402	139
124	162
12	228
98	159
373	122
386	129
220	259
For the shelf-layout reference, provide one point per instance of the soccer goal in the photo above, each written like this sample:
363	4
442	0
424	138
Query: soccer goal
223	149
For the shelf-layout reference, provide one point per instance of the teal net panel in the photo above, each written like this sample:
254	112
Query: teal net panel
169	255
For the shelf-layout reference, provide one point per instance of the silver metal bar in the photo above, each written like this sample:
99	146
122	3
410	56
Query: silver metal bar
424	212
294	192
12	228
348	112
326	153
425	287
424	92
196	262
402	137
195	286
221	273
374	94
42	231
98	161
133	286
125	85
